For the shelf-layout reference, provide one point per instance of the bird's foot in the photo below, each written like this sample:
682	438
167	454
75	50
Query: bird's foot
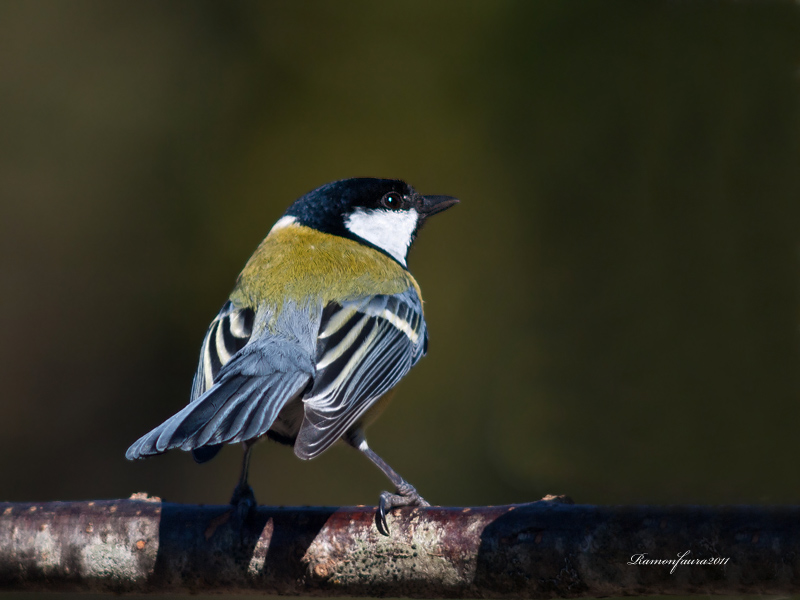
405	495
243	501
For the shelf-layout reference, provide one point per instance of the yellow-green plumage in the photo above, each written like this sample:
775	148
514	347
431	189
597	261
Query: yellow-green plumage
301	264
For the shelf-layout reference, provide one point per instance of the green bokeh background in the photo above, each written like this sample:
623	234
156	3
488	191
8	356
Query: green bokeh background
613	308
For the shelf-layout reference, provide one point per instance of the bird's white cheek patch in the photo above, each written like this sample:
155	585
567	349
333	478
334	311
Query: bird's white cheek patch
390	230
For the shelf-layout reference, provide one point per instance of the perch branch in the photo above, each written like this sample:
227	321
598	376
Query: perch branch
539	550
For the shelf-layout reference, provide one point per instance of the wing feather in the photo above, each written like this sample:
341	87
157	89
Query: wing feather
242	383
363	350
228	333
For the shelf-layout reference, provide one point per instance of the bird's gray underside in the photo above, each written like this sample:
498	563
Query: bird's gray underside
338	359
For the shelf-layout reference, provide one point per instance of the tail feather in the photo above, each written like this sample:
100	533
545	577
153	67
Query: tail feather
265	414
182	427
238	408
236	427
242	398
206	453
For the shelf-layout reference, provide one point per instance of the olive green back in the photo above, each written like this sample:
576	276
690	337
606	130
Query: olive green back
301	264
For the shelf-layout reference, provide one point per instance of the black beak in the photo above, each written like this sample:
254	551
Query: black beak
431	205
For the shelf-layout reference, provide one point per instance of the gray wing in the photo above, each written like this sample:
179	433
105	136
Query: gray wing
364	348
242	382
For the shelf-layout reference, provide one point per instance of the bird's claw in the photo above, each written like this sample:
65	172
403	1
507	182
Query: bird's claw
405	496
243	501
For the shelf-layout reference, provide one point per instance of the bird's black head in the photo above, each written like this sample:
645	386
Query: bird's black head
383	213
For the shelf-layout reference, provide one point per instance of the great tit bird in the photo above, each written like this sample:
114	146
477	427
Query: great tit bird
324	320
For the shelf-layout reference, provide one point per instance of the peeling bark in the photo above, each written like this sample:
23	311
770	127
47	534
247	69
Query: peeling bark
540	550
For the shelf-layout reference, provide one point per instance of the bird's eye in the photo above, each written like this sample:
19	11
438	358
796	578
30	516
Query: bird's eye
392	200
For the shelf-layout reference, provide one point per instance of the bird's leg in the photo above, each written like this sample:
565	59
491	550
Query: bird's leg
405	493
243	497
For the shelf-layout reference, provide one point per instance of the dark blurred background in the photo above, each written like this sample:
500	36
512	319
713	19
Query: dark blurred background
613	307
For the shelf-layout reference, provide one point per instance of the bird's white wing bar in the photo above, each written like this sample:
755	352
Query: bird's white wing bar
247	392
227	334
362	355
